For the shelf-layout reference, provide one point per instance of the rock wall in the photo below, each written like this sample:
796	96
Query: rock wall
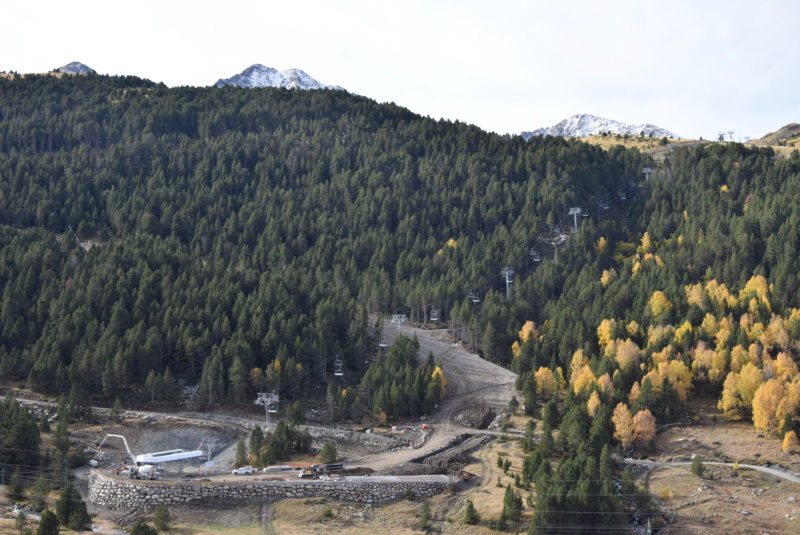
117	493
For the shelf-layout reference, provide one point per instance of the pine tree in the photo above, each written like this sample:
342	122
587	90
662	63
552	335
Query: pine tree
162	518
328	452
241	453
16	488
698	468
471	516
39	493
71	509
256	440
48	525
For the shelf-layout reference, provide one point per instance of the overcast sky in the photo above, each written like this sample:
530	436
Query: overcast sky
695	67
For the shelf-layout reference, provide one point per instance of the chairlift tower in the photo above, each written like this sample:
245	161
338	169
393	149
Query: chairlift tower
647	171
270	402
507	272
399	319
730	136
575	212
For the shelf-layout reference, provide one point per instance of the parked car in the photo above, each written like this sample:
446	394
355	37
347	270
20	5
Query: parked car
243	470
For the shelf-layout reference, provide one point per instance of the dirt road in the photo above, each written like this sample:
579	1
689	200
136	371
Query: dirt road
777	472
471	382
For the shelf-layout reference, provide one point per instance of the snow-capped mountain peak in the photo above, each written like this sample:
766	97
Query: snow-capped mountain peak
260	76
76	67
584	125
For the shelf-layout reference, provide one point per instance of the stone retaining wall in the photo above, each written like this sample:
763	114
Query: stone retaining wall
130	494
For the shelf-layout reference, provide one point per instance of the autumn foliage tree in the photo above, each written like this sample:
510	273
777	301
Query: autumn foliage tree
624	429
644	427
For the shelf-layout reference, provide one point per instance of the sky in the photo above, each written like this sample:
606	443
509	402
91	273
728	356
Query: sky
694	67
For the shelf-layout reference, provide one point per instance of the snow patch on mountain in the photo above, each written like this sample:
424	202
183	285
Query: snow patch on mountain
584	125
76	67
260	76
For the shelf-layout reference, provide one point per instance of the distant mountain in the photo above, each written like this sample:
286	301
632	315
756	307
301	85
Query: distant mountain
76	67
588	125
260	76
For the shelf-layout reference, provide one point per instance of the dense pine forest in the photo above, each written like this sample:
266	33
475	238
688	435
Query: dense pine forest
247	236
242	239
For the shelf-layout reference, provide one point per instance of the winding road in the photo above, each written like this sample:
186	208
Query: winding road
471	382
782	474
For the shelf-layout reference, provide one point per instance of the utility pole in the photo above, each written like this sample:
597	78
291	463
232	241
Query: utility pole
507	272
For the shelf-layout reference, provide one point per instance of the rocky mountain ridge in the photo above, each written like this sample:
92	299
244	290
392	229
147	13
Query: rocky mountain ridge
584	125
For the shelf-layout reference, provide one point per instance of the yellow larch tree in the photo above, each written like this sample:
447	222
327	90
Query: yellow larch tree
683	333
606	384
437	372
784	367
709	327
775	336
633	395
628	351
659	335
659	306
623	424
633	328
790	441
607	276
545	383
739	357
731	403
748	382
604	332
647	246
528	332
578	361
593	404
767	407
644	427
696	296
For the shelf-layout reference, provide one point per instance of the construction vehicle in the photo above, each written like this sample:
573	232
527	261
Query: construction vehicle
143	466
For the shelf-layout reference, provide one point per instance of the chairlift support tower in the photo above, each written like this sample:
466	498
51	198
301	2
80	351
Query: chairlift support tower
575	212
399	319
508	273
270	402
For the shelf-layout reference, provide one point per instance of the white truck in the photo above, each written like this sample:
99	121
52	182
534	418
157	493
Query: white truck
243	470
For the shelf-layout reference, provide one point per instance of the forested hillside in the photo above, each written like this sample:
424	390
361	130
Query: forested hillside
246	235
245	238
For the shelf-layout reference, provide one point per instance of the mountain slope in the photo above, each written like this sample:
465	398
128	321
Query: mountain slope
791	130
75	67
583	125
260	76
